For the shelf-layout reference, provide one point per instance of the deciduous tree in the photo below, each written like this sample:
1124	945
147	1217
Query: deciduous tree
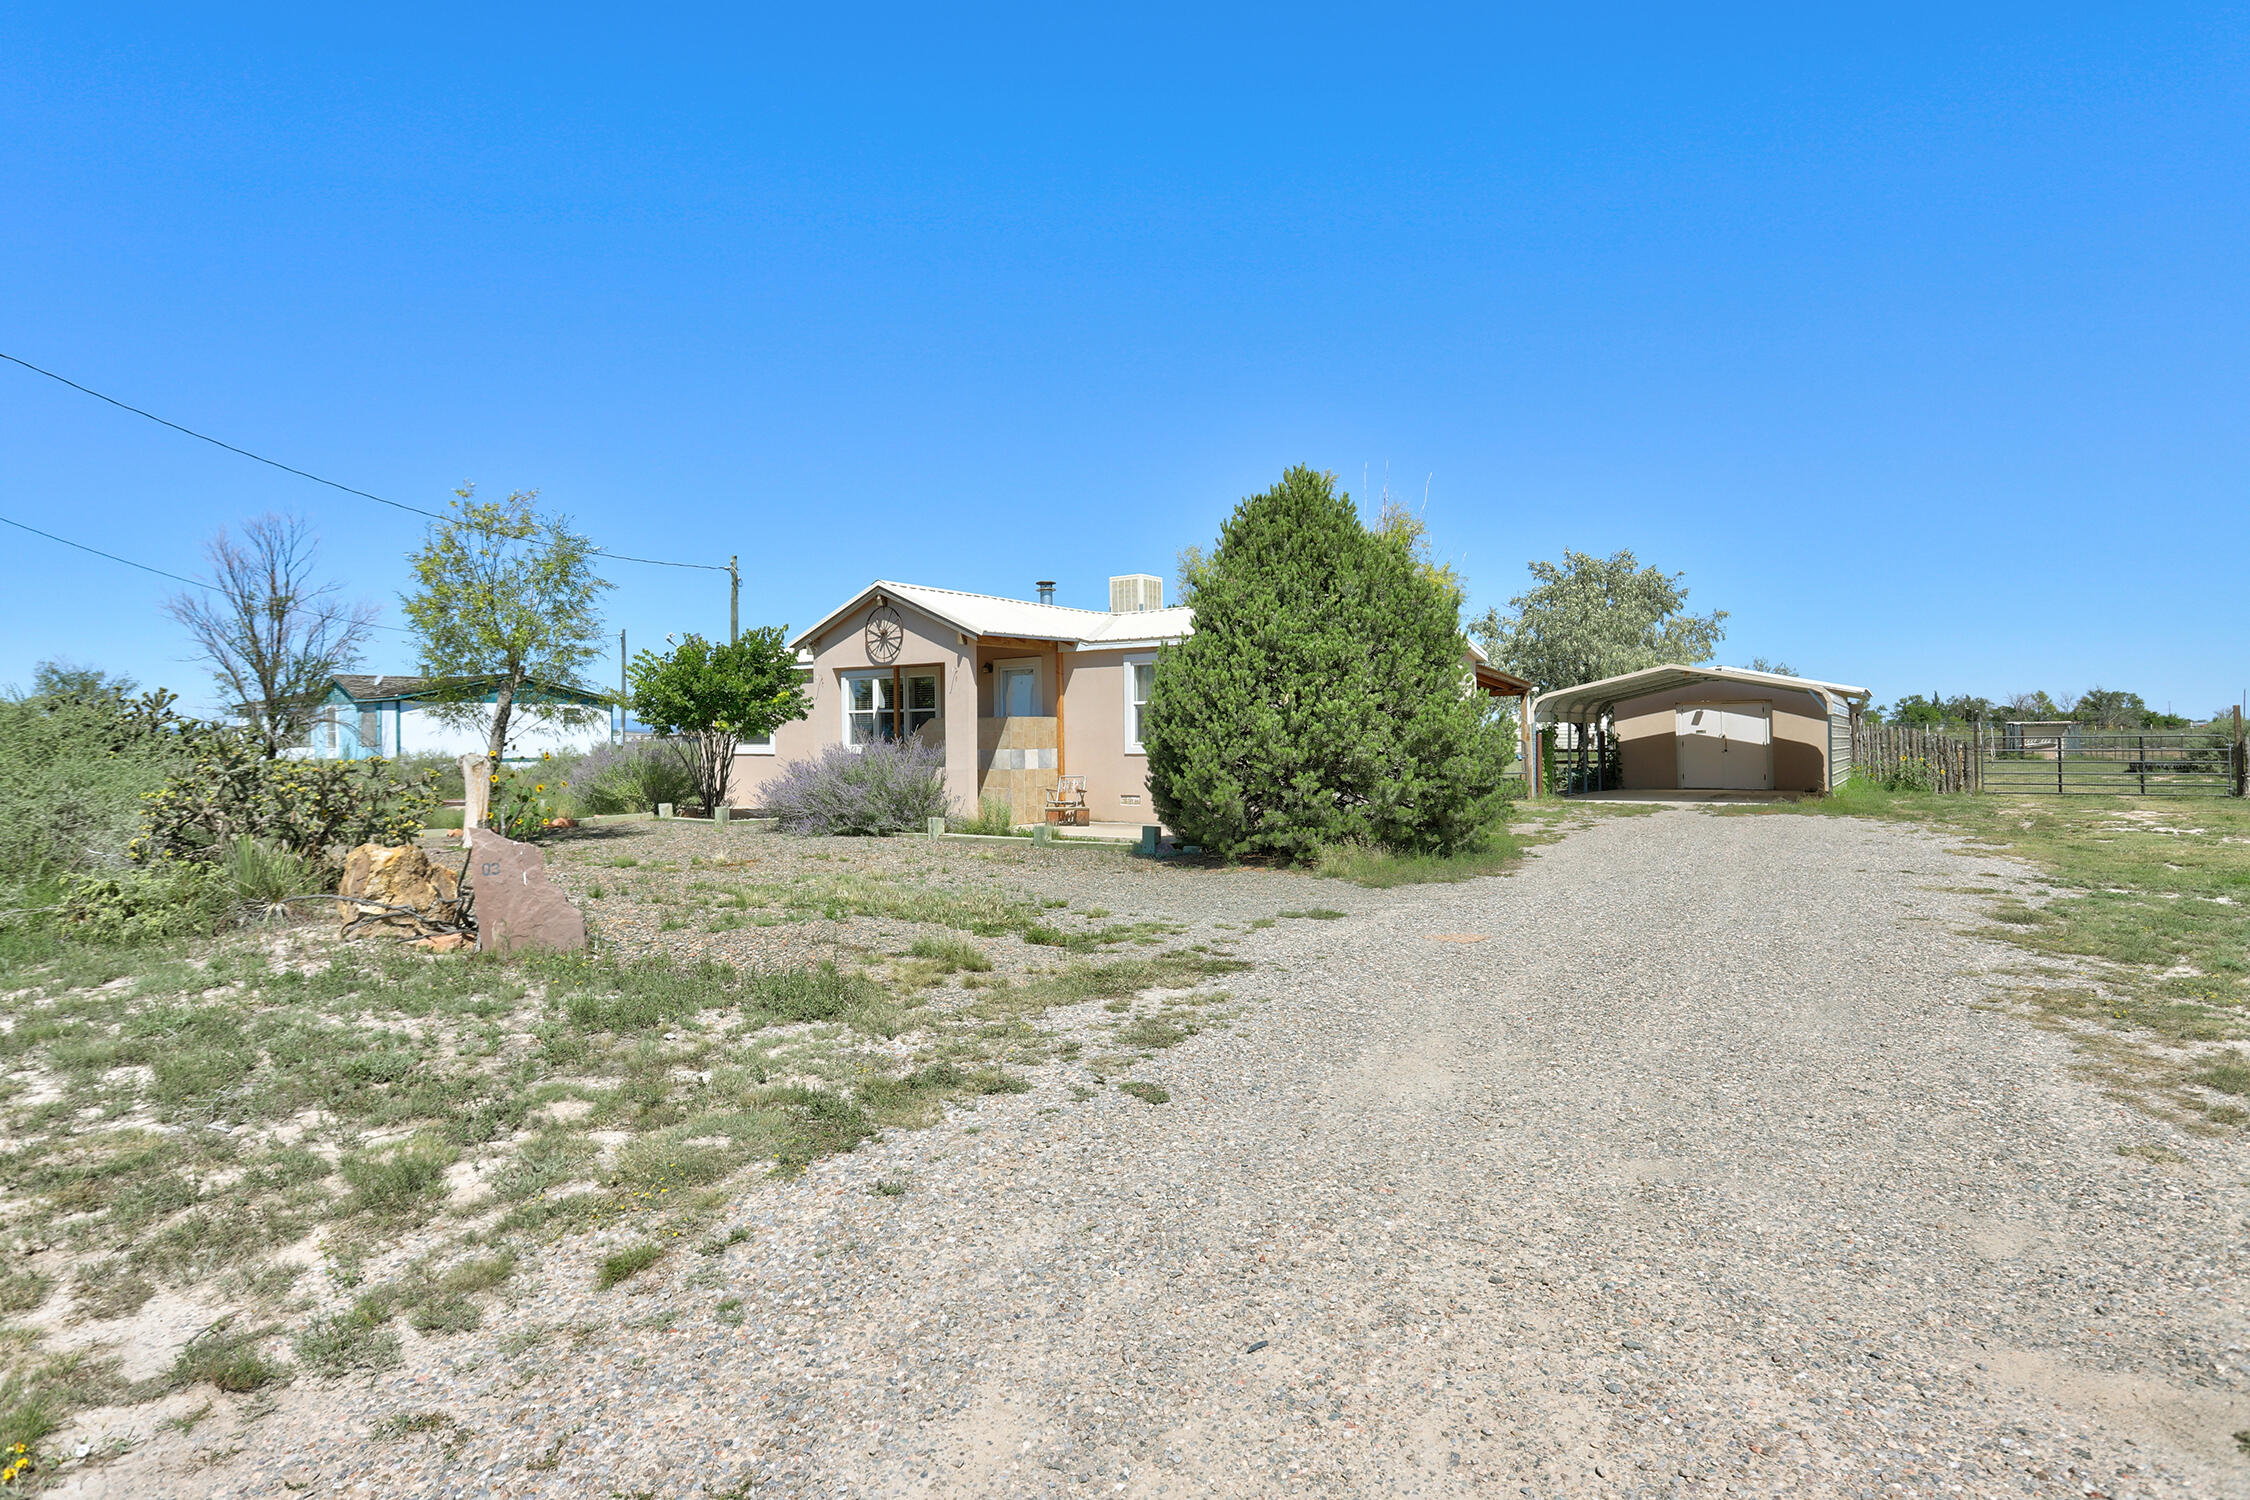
506	600
271	632
1596	617
715	696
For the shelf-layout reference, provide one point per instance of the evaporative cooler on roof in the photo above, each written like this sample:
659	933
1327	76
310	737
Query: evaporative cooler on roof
1135	593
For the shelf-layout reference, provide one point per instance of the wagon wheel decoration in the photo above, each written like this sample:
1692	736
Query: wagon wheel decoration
885	634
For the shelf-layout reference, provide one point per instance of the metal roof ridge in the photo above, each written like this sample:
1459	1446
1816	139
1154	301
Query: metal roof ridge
931	588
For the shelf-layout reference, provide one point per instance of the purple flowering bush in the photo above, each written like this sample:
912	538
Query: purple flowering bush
884	787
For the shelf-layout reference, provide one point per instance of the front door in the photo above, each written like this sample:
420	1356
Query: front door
1019	693
1725	746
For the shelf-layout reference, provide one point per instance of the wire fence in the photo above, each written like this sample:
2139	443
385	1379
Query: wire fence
2056	760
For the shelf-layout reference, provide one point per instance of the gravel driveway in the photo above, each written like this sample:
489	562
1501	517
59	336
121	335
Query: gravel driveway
1705	1172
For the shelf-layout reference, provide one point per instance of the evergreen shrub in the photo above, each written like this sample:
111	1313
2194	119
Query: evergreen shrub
1322	698
632	778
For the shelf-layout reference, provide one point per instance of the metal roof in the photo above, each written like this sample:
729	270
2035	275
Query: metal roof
1589	696
1023	620
1018	619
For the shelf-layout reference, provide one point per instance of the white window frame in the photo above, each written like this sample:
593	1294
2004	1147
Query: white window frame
1000	671
1132	719
906	680
845	681
901	676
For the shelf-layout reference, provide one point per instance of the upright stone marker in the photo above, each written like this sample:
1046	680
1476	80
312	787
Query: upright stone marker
518	908
476	796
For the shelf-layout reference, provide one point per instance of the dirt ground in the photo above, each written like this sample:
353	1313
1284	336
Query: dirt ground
1699	1156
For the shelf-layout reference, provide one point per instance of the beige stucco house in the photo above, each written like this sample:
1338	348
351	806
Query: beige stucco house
1019	693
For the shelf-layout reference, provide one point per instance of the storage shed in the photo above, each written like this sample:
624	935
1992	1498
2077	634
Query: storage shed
1701	728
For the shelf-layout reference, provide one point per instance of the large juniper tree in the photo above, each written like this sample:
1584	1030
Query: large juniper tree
1322	697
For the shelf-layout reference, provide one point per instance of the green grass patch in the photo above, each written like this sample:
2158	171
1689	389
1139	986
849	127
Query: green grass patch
2226	1078
1153	1032
915	1098
1379	868
623	1265
358	1338
226	1358
402	1182
21	1291
1147	1093
1099	981
951	954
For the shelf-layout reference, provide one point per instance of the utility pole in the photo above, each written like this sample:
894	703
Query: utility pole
621	685
734	600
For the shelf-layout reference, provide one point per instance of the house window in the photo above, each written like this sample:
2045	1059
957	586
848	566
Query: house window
921	700
371	731
867	708
1019	693
1138	676
872	710
333	730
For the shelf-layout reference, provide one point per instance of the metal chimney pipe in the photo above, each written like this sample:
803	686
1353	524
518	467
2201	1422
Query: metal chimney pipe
1046	587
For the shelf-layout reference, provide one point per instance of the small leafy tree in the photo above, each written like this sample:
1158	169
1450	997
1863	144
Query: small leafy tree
270	632
1597	617
712	697
506	600
1321	698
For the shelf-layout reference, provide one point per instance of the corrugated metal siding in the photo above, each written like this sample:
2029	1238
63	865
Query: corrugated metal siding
1839	748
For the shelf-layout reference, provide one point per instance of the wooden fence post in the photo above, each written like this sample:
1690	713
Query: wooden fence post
2242	756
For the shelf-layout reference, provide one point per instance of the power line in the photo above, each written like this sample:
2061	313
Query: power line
656	562
144	567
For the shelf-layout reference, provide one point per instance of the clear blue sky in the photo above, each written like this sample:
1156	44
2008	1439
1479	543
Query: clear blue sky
1917	340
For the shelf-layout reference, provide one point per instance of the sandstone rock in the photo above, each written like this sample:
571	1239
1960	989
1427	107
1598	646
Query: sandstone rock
518	908
444	942
400	876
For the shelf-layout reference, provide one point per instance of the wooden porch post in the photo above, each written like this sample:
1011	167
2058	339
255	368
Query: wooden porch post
1062	755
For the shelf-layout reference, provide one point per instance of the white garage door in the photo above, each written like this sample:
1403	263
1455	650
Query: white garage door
1726	746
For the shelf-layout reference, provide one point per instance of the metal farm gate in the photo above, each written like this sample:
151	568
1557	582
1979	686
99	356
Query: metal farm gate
2189	763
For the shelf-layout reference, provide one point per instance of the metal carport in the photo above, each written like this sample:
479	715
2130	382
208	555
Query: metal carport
1589	704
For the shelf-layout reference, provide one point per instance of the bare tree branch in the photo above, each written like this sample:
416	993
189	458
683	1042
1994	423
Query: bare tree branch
270	633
